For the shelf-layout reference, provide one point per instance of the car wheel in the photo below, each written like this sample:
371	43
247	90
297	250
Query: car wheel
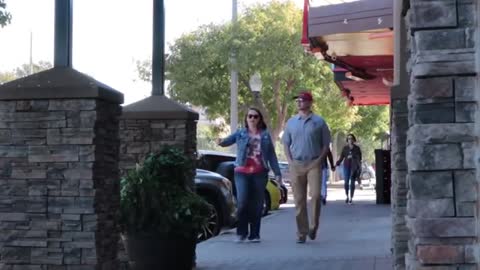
213	226
267	204
284	194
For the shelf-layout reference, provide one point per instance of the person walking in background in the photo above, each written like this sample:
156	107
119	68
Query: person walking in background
255	156
352	159
326	174
306	141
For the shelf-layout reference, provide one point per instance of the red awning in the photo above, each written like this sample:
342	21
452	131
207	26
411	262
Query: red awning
356	37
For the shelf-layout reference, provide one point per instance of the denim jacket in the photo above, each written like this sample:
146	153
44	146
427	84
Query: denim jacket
241	137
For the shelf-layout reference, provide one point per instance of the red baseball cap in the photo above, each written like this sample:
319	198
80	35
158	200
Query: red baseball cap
305	96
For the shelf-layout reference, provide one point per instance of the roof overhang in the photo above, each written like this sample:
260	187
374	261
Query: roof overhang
358	37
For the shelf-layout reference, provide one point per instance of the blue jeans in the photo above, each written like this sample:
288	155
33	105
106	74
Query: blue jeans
325	174
349	181
250	197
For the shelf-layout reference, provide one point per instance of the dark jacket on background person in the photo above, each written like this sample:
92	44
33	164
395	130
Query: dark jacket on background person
355	163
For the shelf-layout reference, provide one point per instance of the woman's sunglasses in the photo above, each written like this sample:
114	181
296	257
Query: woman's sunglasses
254	116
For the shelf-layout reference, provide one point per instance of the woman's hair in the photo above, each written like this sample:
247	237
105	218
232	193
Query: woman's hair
261	123
353	137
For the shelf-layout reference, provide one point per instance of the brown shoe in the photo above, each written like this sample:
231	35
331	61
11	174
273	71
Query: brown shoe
312	234
301	239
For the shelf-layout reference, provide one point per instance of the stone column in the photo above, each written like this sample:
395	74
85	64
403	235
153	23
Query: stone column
399	127
442	196
59	184
148	125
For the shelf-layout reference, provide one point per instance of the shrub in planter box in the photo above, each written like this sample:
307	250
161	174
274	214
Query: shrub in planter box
160	216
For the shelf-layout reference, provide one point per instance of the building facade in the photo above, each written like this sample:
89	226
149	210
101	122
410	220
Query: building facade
434	125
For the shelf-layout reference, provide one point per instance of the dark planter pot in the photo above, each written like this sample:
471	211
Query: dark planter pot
159	252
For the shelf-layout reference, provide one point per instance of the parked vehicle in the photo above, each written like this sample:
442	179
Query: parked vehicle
223	163
218	191
283	191
210	160
367	176
285	171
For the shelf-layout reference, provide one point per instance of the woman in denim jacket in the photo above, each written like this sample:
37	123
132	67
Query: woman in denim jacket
255	156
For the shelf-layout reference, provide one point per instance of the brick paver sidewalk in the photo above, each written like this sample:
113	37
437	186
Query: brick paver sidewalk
351	237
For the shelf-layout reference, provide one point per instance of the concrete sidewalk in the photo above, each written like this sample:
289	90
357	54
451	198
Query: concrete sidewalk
350	237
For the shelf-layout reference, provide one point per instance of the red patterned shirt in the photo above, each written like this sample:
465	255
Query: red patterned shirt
253	164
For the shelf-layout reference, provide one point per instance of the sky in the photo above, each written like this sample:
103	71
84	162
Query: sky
109	36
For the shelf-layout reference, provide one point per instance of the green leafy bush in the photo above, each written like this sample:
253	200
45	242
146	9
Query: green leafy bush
155	197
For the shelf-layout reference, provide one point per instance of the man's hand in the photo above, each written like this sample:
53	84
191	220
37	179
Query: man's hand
218	141
333	168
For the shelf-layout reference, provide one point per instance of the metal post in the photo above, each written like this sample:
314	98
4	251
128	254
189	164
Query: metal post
158	53
256	96
234	79
30	70
63	33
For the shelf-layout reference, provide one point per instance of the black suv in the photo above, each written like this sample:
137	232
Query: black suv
216	190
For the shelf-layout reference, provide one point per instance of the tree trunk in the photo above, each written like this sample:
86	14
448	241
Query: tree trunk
281	106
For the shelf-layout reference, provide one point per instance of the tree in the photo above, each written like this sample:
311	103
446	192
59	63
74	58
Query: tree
371	126
6	77
373	122
5	17
27	69
24	70
266	39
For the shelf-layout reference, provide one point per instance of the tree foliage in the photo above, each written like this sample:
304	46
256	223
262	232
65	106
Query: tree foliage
5	16
266	39
371	128
373	122
24	70
6	77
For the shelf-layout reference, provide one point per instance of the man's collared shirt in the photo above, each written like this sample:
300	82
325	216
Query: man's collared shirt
306	137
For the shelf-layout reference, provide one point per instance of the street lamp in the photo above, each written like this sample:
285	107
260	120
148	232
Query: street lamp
256	85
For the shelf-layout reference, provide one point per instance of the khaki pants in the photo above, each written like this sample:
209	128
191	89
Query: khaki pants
303	174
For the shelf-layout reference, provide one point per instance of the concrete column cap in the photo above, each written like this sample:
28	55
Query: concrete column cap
59	83
158	107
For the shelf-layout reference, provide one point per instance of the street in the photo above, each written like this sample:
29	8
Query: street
350	237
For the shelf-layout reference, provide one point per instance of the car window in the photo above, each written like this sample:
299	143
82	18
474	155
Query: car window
210	162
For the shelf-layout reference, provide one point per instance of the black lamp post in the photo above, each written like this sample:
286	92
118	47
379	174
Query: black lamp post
63	33
158	50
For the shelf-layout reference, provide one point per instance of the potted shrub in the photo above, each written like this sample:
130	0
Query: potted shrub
160	216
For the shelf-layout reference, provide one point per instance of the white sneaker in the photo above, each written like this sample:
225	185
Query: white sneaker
255	240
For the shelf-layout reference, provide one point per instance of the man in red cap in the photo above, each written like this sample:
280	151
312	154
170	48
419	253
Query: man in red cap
306	141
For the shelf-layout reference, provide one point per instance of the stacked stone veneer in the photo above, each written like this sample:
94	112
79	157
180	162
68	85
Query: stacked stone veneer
441	181
149	125
400	234
140	137
59	183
